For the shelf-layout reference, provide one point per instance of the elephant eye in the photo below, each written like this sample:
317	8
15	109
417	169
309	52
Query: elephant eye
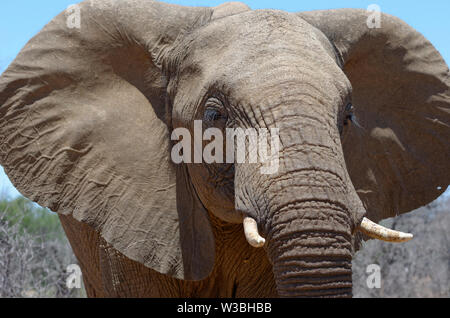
349	114
215	114
212	114
348	117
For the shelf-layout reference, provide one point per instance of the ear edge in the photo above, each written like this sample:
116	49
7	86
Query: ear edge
416	58
16	81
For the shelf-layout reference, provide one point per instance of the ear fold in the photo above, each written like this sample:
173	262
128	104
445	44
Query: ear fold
83	131
398	154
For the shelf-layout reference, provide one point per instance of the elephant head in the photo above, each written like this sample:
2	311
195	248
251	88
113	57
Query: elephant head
363	115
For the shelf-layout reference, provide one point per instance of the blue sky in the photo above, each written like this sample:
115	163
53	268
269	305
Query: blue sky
22	19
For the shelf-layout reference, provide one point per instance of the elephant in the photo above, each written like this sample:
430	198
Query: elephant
88	114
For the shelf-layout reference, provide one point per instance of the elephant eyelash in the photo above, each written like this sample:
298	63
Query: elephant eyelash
214	102
214	110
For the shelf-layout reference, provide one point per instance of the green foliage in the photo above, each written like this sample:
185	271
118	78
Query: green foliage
34	252
31	218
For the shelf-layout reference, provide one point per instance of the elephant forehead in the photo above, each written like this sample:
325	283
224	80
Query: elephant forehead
255	42
242	36
267	23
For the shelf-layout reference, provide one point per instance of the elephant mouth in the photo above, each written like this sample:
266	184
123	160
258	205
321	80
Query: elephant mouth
367	227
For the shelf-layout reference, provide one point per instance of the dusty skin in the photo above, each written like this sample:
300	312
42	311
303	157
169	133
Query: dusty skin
86	116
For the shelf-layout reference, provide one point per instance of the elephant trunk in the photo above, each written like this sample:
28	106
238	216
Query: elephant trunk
306	212
306	222
308	209
311	251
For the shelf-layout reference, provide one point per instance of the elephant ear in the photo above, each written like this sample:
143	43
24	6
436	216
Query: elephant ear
398	148
83	131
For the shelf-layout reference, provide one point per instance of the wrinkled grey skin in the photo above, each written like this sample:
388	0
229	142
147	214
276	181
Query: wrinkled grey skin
86	118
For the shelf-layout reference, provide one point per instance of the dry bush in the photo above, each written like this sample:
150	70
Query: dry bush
417	269
33	262
33	265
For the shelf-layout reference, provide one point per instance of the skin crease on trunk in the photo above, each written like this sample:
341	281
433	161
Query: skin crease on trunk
86	118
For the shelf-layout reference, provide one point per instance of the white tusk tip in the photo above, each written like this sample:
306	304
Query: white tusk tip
258	243
252	234
407	237
379	232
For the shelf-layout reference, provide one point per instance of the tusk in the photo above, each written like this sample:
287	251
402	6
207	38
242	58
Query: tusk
252	234
379	232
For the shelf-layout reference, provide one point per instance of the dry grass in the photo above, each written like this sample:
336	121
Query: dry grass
34	258
33	265
417	269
